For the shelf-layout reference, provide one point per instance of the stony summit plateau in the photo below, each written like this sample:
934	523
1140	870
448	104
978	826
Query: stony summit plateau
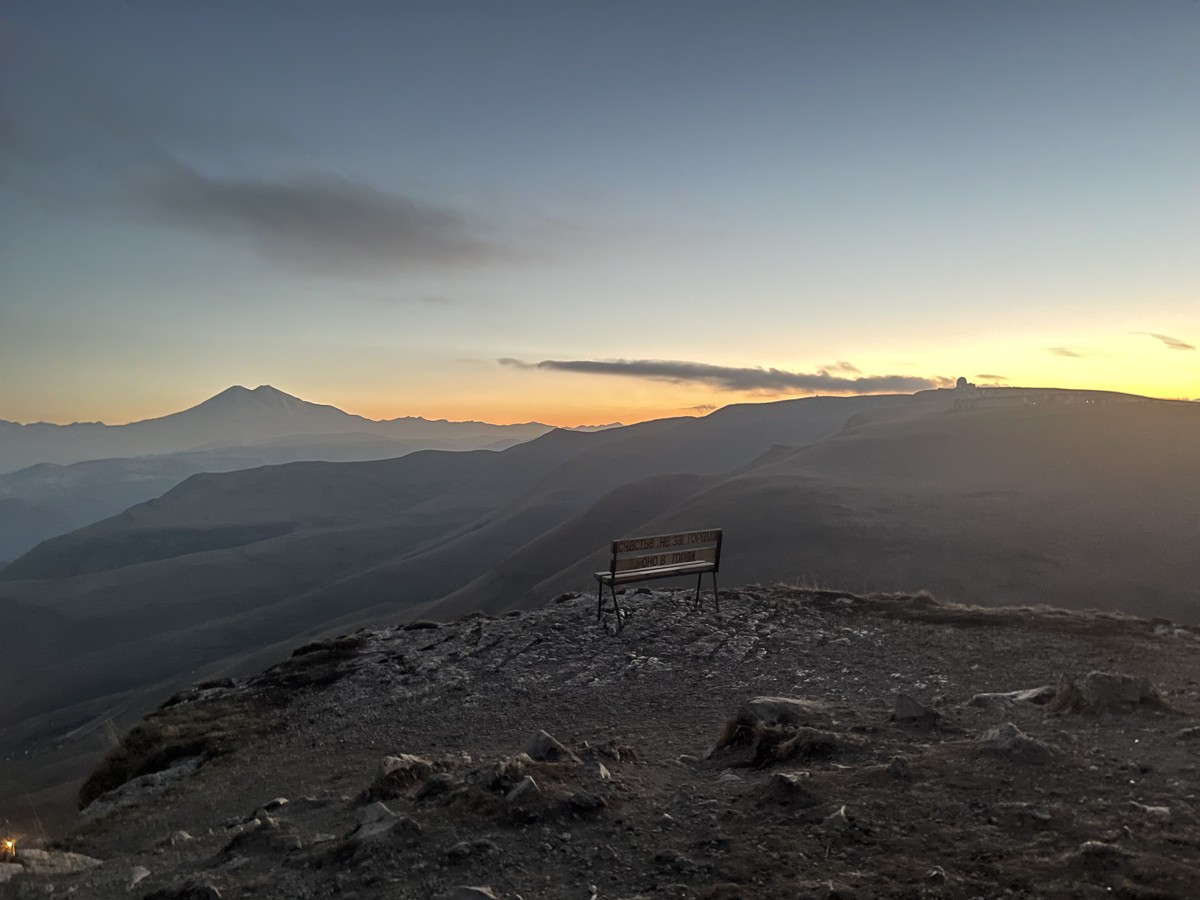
803	743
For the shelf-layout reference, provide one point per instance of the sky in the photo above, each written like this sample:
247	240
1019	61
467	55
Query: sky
591	212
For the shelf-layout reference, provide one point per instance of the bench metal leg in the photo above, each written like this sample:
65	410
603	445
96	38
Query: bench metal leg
698	598
617	611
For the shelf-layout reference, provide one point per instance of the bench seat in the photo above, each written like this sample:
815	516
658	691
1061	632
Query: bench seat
692	568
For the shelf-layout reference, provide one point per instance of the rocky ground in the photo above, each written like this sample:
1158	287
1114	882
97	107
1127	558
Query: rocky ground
797	744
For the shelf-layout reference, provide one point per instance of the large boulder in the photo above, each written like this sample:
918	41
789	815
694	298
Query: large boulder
544	748
396	774
762	713
1105	692
55	862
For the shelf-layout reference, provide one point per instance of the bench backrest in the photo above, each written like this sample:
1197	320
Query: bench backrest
632	554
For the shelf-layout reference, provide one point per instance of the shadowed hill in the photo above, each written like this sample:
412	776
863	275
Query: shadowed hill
47	500
1095	506
75	475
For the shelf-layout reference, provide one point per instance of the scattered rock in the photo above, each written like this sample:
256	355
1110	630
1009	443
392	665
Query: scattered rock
829	890
1158	813
586	804
505	774
189	890
777	745
420	625
770	712
524	793
465	892
465	849
544	748
1105	692
8	870
1038	696
1009	740
138	790
396	774
1031	816
909	711
55	862
613	751
936	875
437	785
673	859
1098	857
899	769
136	874
264	835
269	807
787	789
377	821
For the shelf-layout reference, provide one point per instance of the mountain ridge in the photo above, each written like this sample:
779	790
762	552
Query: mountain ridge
104	469
236	414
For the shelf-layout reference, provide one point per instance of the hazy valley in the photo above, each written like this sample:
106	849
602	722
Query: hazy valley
56	478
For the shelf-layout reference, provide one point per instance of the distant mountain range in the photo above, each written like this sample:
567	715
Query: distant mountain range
1055	497
68	476
236	416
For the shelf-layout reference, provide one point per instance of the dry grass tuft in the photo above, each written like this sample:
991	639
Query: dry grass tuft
206	729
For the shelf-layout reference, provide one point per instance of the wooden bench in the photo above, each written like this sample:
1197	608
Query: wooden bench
660	556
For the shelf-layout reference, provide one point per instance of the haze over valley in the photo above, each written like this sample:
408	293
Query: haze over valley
56	478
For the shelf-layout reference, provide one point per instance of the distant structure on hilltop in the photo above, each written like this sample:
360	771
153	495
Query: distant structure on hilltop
970	396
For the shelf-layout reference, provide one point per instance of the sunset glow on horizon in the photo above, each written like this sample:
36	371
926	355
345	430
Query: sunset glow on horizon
583	214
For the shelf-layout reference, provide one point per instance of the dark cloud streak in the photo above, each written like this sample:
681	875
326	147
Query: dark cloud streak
65	141
1170	342
775	381
321	222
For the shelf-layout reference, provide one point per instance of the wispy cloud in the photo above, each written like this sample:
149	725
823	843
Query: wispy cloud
320	221
841	366
68	142
1170	342
1069	352
705	408
772	381
989	377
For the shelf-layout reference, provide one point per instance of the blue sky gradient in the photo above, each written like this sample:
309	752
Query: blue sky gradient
371	204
